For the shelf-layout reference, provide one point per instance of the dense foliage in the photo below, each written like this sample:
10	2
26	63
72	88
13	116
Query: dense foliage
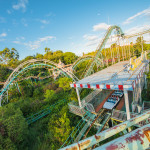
30	96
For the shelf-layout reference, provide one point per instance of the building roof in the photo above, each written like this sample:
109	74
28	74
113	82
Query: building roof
115	77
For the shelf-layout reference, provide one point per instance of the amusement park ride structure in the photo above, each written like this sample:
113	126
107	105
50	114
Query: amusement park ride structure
115	97
104	106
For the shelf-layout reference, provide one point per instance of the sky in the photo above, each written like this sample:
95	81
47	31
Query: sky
68	25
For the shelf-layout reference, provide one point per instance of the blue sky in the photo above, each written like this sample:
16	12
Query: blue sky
67	25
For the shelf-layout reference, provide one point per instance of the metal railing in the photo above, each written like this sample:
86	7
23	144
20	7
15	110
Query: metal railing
89	142
90	96
74	106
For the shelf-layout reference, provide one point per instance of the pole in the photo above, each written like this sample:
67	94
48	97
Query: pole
145	78
139	91
78	95
7	96
127	104
142	43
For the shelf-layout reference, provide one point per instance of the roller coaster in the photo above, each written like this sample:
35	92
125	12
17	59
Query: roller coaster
109	80
103	84
31	64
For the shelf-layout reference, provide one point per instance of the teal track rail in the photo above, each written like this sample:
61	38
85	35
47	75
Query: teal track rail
78	128
104	121
80	61
27	68
108	33
42	113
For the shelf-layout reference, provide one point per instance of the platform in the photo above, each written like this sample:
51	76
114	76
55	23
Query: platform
115	77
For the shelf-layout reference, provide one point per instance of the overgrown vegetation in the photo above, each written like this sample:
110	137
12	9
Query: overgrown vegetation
27	97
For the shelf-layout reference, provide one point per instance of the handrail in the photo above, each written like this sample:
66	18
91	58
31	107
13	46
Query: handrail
89	142
90	96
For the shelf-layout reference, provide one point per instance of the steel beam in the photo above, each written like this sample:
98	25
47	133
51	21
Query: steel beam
78	95
140	90
145	79
89	142
138	139
127	104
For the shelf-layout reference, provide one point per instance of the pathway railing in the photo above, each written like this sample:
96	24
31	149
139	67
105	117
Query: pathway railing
95	139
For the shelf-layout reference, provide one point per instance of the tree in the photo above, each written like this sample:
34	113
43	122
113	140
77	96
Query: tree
39	56
60	128
9	57
69	58
13	127
57	55
47	49
28	58
4	73
140	43
65	83
50	96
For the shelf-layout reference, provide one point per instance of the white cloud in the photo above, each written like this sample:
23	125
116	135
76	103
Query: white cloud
91	43
43	21
9	12
92	40
17	42
3	34
137	29
90	37
22	38
100	26
36	44
21	5
130	19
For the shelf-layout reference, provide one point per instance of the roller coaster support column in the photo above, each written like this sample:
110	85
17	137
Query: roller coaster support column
139	91
78	95
0	100
7	96
127	104
145	78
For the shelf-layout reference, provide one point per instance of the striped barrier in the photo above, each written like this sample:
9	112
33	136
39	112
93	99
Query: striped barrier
129	87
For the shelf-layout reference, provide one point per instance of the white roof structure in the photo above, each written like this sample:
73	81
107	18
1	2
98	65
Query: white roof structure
115	77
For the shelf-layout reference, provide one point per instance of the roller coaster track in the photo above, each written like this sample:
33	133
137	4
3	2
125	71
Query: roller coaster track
101	113
80	128
101	46
84	58
33	77
85	124
31	64
42	113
